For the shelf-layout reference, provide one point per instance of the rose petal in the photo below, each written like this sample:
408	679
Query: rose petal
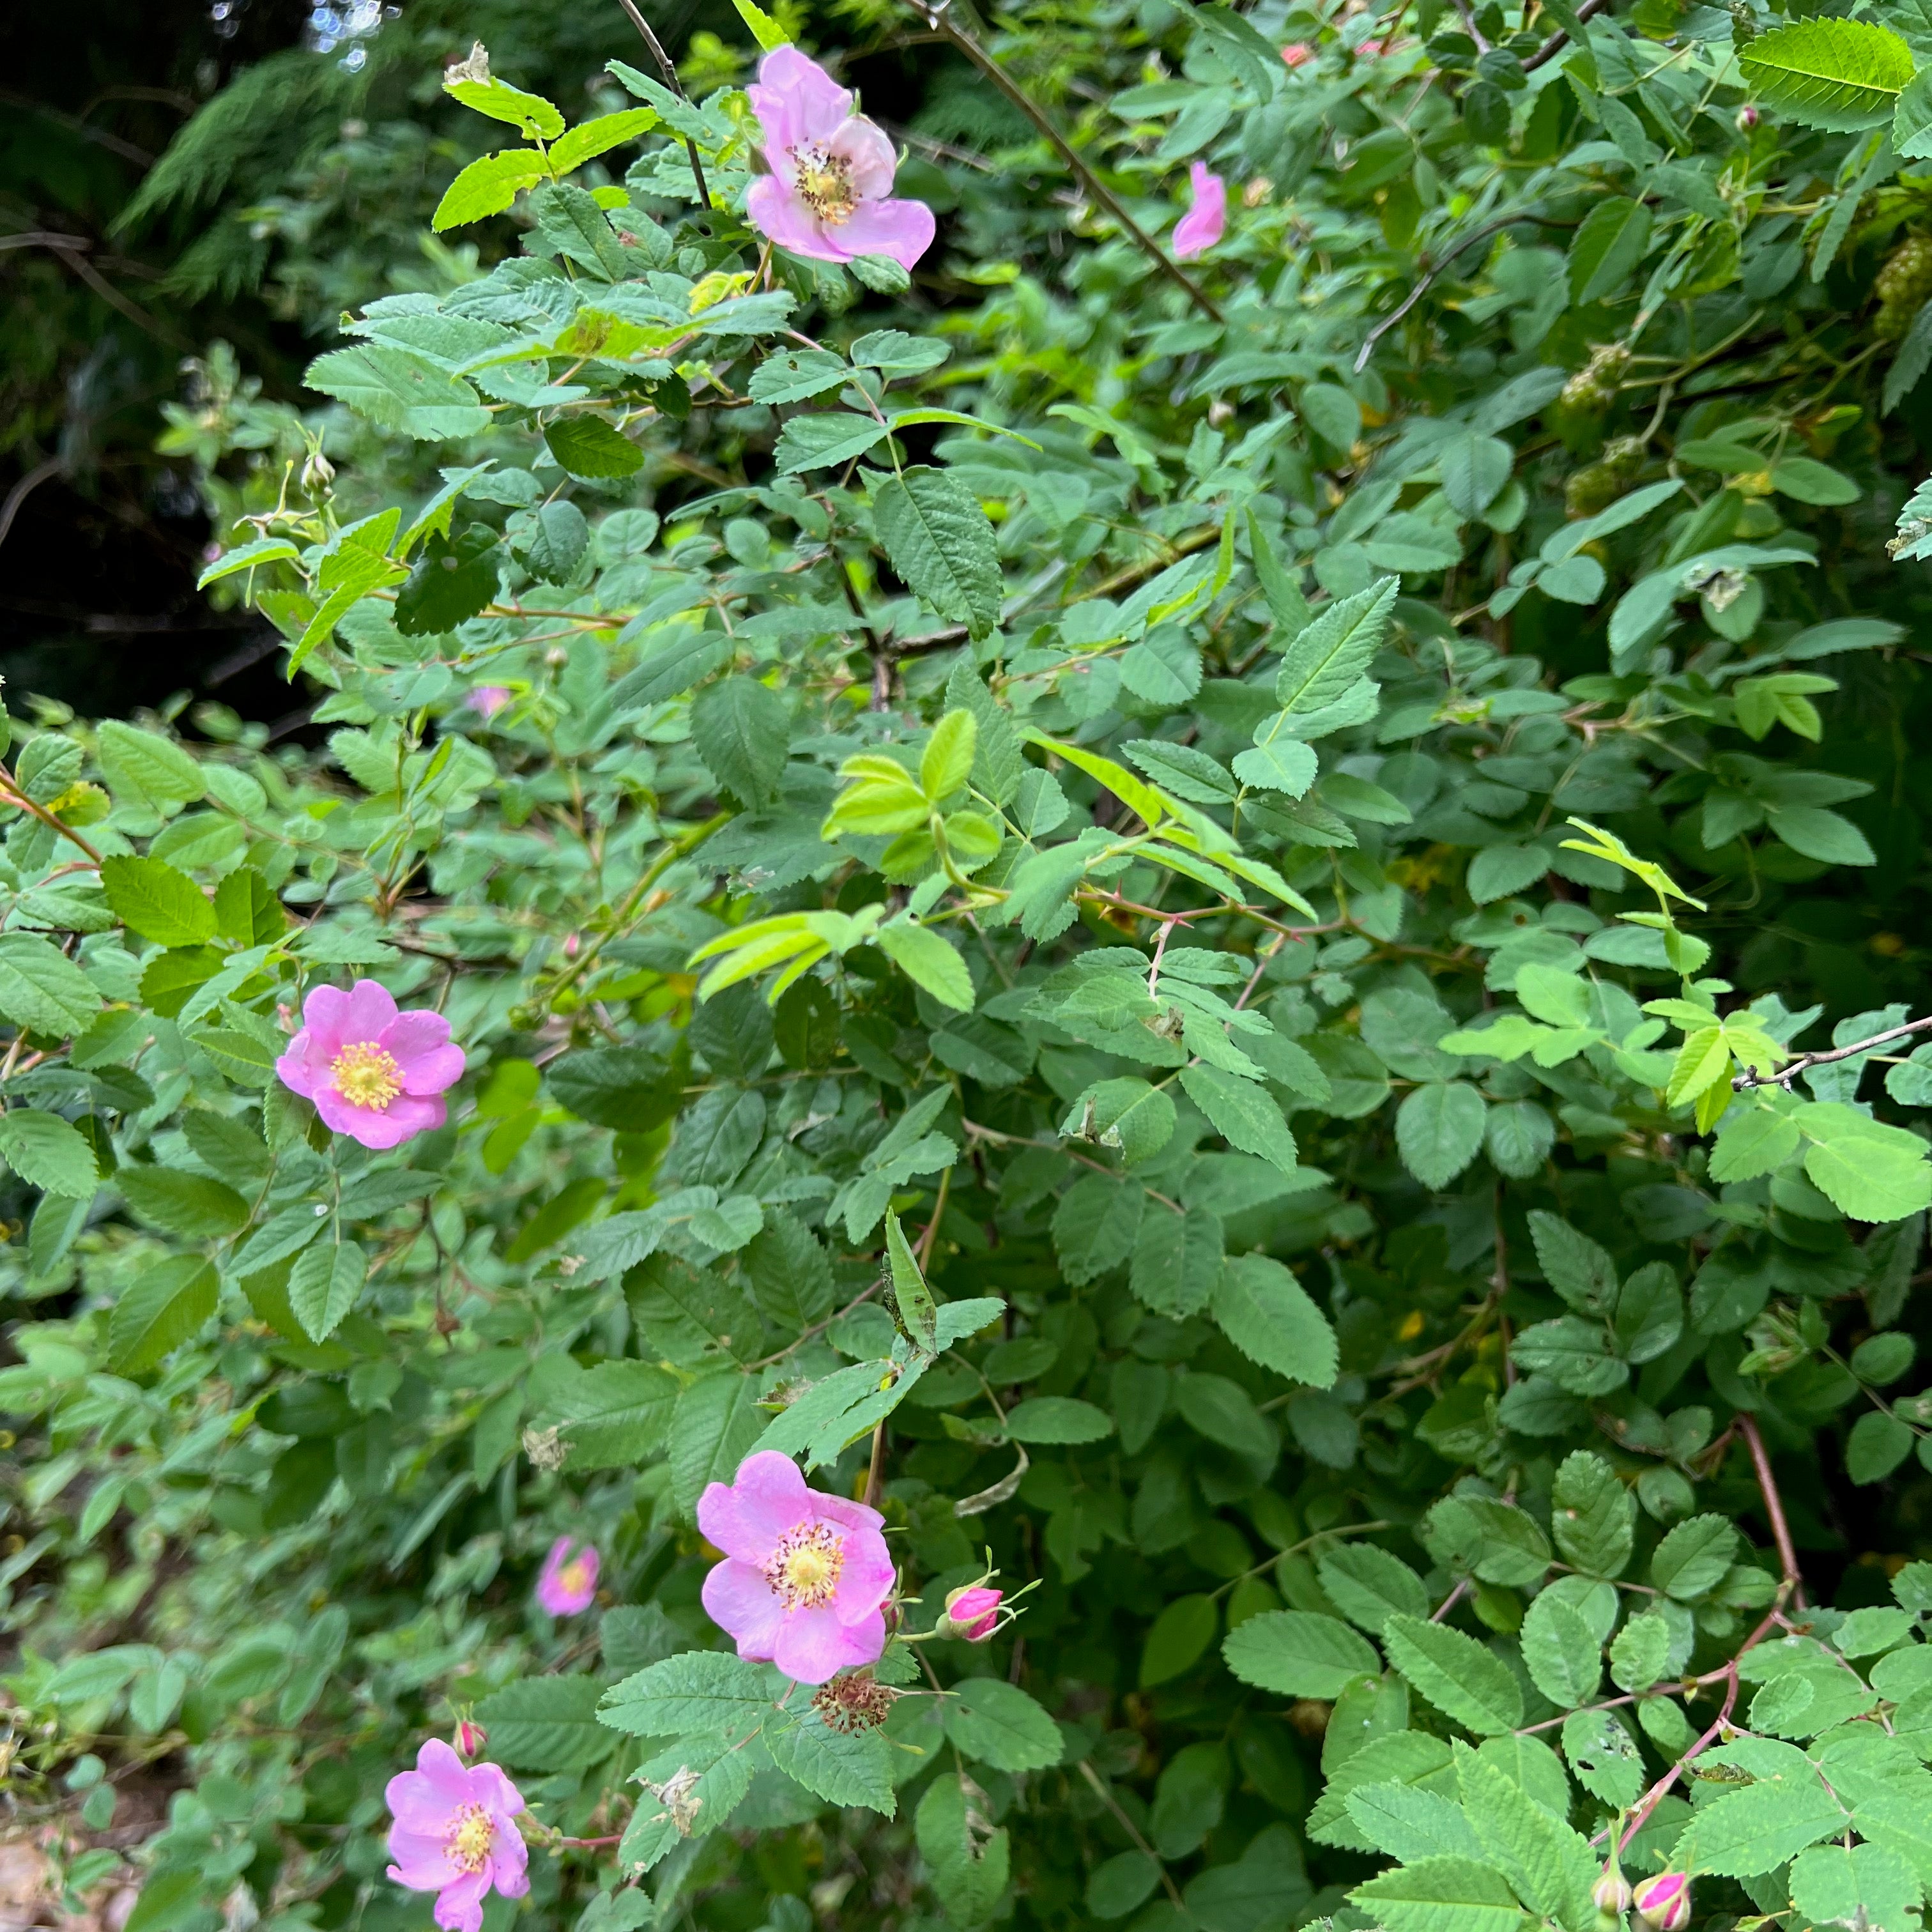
435	1072
747	1517
371	1011
459	1906
323	1013
411	1035
737	1598
294	1070
869	152
902	230
816	103
813	1645
776	212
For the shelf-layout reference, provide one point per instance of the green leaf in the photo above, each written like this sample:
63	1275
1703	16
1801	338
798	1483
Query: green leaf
167	1305
1178	1639
1298	1654
589	139
1815	833
588	446
1867	1170
1592	1515
700	1691
1603	1756
399	391
1441	1895
145	768
1754	1830
616	1415
1462	1679
912	1300
713	1427
487	187
1438	1130
742	732
1550	1867
929	960
1125	1114
47	1153
1606	250
1838	75
822	441
1879	1442
1859	1884
1270	1317
1691	1561
997	1724
1176	1261
1641	1651
940	541
42	990
1323	662
546	1724
1368	1586
844	1768
1561	1651
969	1866
1058	1418
531	113
182	1203
324	1284
1575	1266
1244	1115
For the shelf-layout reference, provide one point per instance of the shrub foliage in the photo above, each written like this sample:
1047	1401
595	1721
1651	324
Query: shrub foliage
1196	927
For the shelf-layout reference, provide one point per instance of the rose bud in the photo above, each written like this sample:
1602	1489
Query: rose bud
971	1613
1663	1903
1612	1892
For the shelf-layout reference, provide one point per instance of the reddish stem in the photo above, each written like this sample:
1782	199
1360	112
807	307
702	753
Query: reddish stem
1773	1506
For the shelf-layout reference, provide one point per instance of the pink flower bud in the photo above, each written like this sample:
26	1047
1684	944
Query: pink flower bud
1612	1892
971	1613
472	1739
1746	119
487	700
571	945
1663	1903
1297	53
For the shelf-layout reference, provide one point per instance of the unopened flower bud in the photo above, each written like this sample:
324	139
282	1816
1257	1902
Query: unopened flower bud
317	473
471	1740
971	1613
1663	1903
1746	119
1612	1892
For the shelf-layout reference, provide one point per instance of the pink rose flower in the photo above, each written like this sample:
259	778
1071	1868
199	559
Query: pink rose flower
972	1613
455	1835
1203	224
569	1583
1297	53
487	700
1663	1903
805	1574
375	1074
829	193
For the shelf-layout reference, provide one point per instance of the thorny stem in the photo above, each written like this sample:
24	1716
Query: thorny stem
1551	47
1133	1831
1430	274
1788	1073
1654	1796
676	86
939	17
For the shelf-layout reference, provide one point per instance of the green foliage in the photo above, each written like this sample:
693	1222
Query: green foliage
1160	936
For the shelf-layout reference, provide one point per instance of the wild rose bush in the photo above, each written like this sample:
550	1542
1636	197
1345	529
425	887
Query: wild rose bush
1082	1091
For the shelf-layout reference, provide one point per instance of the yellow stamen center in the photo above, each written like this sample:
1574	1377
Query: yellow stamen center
575	1576
366	1076
803	1570
471	1838
825	184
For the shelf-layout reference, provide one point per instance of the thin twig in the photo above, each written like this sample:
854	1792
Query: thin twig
939	17
1787	1074
1429	277
676	86
1551	47
1133	1831
22	490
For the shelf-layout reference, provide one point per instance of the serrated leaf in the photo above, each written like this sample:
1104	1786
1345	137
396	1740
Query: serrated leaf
1838	75
939	541
699	1692
1298	1654
1760	1828
1267	1313
1561	1652
1455	1673
1441	1895
163	1307
324	1284
997	1724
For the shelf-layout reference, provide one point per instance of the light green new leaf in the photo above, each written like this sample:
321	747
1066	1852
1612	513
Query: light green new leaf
488	186
930	960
